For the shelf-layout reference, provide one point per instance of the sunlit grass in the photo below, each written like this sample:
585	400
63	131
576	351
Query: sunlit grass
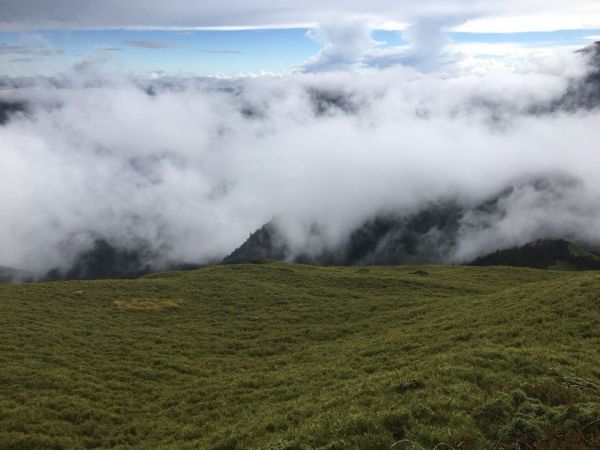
146	304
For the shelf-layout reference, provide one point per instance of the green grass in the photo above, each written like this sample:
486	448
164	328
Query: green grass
277	356
576	250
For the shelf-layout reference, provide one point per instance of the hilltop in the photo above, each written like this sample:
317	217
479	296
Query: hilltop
282	356
543	254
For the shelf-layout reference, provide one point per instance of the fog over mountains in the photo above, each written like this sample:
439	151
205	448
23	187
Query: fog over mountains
122	176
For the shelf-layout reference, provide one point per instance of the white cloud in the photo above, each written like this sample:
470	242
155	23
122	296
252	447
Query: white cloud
349	45
344	45
568	20
195	168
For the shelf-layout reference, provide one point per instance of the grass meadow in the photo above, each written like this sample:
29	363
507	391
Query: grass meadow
291	357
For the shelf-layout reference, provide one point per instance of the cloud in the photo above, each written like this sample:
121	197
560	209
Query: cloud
102	14
28	49
581	16
220	51
188	168
344	45
349	45
428	48
22	60
150	44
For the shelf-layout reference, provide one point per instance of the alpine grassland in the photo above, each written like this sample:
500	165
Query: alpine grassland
294	357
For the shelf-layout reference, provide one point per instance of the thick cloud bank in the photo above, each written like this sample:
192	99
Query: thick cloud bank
186	169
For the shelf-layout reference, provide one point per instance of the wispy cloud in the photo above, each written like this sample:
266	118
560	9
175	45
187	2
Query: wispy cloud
27	49
219	51
150	44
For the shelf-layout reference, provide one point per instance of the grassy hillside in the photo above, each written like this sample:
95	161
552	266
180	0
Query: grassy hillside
276	356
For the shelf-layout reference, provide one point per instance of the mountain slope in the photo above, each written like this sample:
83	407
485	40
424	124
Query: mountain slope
430	234
264	243
584	93
103	260
10	108
543	254
392	238
8	274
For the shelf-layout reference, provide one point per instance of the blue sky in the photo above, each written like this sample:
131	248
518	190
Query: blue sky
175	52
213	52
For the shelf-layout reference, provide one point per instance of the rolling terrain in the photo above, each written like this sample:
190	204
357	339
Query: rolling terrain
283	356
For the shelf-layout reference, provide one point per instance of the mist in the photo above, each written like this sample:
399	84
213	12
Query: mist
186	169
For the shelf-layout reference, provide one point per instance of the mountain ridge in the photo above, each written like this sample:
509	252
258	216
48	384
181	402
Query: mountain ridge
543	254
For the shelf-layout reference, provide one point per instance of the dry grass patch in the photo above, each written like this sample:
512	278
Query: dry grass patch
147	304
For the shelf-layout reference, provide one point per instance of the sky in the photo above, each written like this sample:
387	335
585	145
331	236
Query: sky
234	38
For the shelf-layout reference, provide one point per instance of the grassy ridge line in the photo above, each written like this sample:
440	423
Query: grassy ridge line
291	356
